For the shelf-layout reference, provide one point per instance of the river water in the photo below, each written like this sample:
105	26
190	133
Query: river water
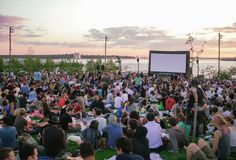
132	64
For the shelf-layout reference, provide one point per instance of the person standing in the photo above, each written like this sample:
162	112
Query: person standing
197	105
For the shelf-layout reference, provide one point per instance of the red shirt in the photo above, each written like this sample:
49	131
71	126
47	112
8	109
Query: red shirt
76	108
61	102
169	103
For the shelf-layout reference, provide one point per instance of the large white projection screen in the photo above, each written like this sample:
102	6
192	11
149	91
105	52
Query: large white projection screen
167	63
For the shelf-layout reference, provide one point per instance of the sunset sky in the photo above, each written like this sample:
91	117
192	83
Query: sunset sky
133	26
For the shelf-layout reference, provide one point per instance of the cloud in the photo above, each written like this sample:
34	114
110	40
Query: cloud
6	21
135	37
225	29
224	43
3	37
10	20
63	44
33	32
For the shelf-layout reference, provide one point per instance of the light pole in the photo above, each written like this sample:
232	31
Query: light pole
11	30
138	63
219	38
197	66
106	39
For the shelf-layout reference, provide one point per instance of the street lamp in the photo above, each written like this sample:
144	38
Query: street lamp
106	39
138	63
219	38
11	30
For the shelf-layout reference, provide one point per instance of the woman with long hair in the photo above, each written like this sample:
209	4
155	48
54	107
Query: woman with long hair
92	134
141	143
221	146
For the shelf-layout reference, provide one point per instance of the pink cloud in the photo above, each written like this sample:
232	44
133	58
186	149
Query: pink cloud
5	22
10	20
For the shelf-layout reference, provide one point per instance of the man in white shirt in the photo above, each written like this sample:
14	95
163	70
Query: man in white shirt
129	91
110	97
154	132
124	96
102	122
118	101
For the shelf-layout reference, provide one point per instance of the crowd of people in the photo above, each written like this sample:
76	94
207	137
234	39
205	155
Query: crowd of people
134	113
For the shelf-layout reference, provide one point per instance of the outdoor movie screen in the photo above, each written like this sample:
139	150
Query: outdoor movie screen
168	61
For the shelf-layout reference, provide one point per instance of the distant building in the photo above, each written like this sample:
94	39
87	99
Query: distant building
77	55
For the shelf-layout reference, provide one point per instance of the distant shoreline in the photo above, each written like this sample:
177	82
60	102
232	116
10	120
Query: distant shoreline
72	56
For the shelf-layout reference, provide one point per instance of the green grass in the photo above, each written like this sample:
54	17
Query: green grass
105	154
165	155
108	153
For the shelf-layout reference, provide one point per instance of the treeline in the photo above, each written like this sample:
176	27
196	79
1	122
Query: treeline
29	65
102	56
66	56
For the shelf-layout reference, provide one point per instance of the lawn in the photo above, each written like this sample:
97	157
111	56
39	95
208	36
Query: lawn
107	153
165	155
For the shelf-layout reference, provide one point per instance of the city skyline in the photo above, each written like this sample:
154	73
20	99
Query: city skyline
133	27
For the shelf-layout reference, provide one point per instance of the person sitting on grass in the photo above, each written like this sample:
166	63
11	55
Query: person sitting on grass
186	128
7	154
176	136
232	133
53	138
66	121
92	134
124	150
76	109
221	146
28	152
21	123
154	130
8	135
87	151
113	130
131	127
140	143
102	122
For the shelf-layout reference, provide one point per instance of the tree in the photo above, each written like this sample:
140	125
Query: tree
37	64
49	65
194	53
90	66
70	67
15	64
1	64
32	64
28	64
110	65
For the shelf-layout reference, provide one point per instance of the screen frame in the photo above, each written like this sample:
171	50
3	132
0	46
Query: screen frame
187	53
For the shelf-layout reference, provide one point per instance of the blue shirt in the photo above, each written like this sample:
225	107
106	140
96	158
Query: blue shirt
37	76
32	96
24	89
114	132
8	137
8	111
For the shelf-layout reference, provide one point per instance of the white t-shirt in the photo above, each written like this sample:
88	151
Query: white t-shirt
124	97
109	97
154	134
118	101
129	91
226	113
232	137
102	123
